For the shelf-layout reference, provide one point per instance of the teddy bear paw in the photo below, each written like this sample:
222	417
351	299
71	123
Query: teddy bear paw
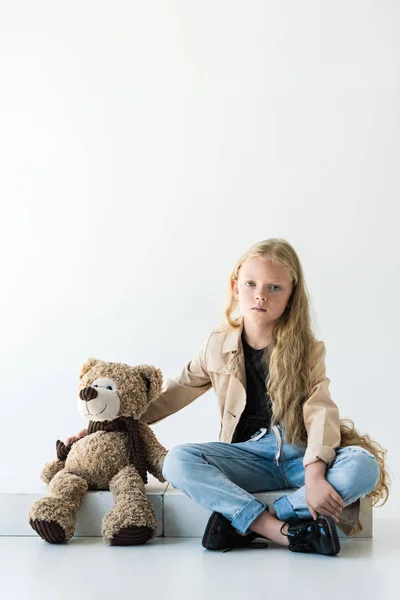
132	536
50	531
53	519
129	524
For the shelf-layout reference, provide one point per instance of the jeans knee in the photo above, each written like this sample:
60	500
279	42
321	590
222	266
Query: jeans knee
374	474
364	472
173	464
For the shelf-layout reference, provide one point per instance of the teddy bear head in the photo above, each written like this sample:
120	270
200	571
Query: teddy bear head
111	390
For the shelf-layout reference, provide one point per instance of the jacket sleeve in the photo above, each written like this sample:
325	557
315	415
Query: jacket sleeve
181	391
321	416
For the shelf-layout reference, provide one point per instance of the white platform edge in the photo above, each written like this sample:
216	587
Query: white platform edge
177	514
14	509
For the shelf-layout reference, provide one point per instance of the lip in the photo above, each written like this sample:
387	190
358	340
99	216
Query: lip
259	309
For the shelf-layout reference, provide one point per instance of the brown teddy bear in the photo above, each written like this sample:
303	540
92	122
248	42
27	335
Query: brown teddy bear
116	454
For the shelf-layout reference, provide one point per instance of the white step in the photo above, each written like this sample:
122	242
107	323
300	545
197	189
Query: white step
177	515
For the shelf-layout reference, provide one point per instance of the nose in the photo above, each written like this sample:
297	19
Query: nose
87	394
262	297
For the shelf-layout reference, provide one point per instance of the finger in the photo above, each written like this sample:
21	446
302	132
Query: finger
338	499
333	502
327	510
333	508
73	438
313	513
328	514
333	494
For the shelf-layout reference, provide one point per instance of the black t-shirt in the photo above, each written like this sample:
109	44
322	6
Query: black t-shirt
258	409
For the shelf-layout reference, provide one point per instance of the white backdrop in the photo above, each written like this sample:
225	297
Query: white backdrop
144	146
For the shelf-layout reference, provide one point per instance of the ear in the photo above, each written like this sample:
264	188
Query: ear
88	365
235	289
153	378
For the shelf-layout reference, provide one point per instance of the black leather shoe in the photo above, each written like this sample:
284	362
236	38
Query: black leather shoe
311	535
220	535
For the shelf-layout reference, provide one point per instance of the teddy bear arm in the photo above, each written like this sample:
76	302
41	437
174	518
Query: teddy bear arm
155	452
51	469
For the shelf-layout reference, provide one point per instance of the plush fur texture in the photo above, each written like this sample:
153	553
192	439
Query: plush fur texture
50	469
112	458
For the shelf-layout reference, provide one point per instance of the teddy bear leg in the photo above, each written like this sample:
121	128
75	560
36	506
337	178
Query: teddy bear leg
132	520
53	517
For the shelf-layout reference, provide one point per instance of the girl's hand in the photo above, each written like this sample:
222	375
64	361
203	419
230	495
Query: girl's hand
322	498
74	438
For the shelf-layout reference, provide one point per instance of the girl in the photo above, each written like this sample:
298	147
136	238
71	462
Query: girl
279	426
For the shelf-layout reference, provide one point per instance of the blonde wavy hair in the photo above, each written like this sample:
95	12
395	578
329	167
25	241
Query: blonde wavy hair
292	354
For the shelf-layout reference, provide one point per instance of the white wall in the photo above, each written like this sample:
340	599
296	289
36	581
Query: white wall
144	146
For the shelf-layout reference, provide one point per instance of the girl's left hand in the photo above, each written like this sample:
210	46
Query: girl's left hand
322	498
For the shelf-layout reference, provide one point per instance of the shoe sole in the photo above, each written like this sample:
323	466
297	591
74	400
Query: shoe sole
229	545
334	536
209	529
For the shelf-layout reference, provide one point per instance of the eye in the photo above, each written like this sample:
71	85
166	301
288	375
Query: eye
95	385
276	286
109	387
249	282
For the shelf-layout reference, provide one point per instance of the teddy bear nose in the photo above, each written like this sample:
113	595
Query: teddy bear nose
87	394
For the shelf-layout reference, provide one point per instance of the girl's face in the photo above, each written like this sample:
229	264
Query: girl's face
262	284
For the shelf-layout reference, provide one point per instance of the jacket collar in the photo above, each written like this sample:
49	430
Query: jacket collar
233	336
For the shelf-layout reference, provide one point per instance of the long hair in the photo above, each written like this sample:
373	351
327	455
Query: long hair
292	354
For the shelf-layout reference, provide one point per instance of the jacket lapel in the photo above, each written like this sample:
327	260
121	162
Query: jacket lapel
232	349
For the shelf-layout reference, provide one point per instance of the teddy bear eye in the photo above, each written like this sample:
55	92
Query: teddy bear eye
109	387
95	385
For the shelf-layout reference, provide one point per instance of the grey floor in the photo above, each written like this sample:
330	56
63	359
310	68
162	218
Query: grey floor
174	568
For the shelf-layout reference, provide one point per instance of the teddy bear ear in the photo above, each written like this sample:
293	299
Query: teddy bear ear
88	365
153	378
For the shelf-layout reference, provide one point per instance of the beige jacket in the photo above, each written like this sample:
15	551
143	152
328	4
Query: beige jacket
220	364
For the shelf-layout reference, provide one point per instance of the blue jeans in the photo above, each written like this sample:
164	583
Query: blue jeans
222	476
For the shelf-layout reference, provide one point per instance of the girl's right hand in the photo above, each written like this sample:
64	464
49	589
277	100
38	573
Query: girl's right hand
323	499
74	438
